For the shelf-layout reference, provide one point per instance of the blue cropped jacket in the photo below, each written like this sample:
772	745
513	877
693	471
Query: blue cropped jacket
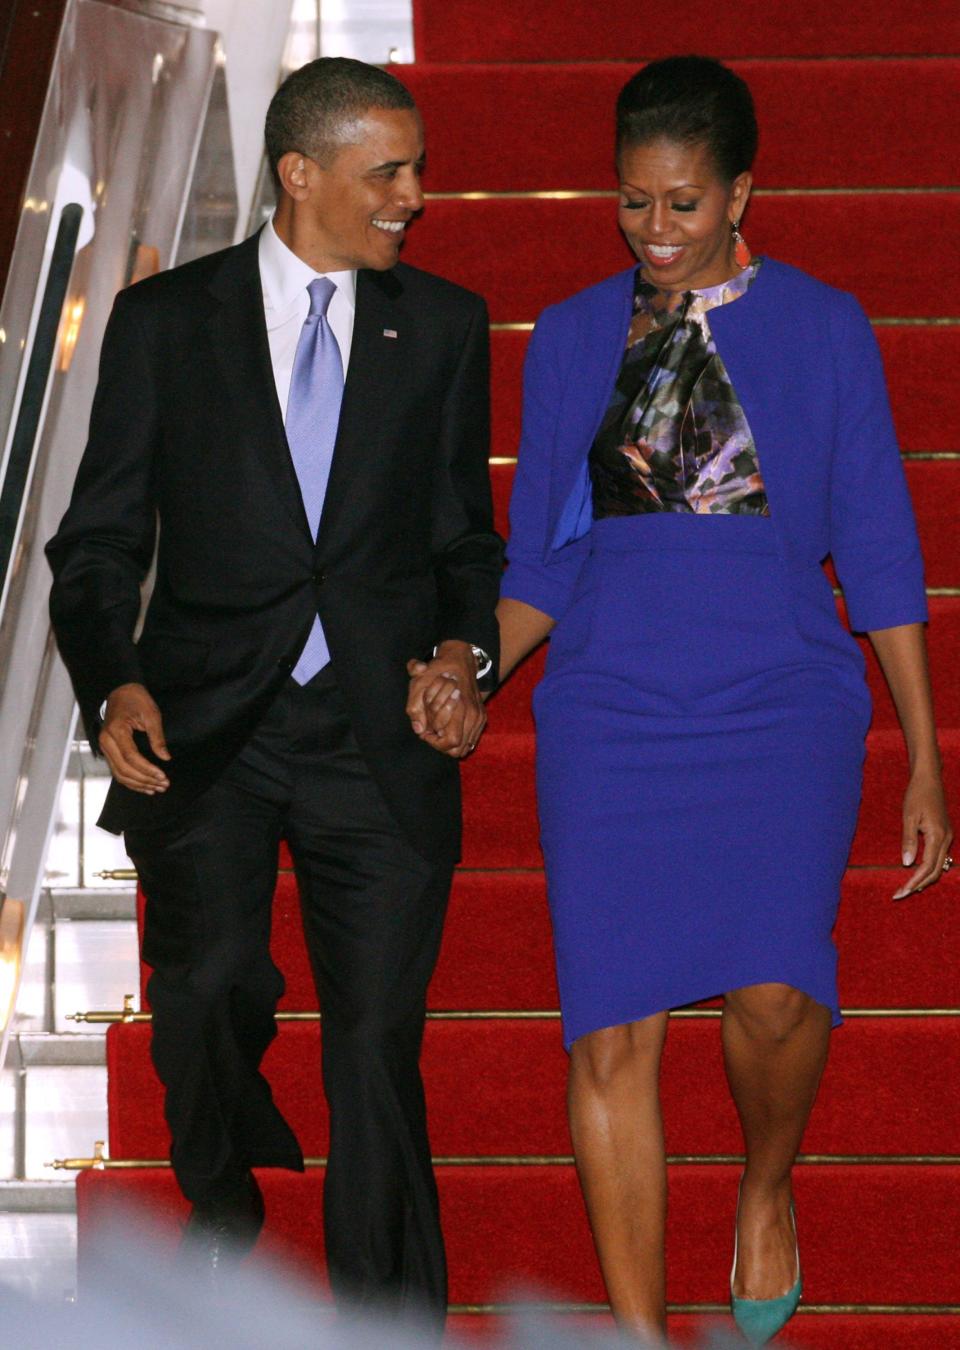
807	371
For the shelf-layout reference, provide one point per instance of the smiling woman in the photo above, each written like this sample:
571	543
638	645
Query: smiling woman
698	434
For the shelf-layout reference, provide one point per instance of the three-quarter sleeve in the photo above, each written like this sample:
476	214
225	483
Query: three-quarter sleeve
537	573
874	540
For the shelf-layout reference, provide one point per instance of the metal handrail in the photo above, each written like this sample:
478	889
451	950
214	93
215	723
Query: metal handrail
33	398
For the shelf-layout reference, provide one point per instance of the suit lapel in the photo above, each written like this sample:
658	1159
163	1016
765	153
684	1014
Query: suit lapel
382	344
238	331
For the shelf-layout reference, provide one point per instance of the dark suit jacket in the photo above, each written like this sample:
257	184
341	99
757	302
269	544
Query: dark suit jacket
186	430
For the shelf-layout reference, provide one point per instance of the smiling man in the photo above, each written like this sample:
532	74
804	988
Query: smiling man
307	421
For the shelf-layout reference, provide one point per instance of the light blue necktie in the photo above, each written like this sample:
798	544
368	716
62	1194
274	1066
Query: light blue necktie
313	414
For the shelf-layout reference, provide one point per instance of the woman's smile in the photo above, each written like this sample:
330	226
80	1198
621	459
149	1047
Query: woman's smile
662	255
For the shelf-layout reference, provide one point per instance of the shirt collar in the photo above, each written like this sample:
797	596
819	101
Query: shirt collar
285	277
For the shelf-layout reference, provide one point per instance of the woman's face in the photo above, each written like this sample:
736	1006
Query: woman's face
677	213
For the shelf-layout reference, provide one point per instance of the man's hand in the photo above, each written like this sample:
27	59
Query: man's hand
445	706
130	708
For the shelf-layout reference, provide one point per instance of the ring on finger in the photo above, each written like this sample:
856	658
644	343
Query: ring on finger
946	864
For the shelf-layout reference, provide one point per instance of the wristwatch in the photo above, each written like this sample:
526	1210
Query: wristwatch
484	662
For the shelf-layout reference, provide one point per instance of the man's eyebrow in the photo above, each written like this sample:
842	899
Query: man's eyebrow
399	163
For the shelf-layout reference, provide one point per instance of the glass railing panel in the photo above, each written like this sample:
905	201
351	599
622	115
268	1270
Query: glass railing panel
123	122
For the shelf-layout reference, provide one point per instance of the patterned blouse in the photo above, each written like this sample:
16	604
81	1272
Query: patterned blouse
674	437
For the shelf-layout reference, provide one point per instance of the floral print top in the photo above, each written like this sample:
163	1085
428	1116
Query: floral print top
674	437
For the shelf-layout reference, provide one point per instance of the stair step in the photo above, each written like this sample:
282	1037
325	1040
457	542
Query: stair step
500	812
497	952
65	1110
525	1227
919	362
486	246
511	710
38	1258
886	141
541	30
934	488
916	359
95	963
497	1088
38	1197
80	904
811	1329
58	1049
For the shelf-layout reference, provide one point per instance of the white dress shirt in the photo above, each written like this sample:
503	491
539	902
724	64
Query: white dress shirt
285	279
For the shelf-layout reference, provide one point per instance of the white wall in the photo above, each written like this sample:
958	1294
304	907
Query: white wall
253	35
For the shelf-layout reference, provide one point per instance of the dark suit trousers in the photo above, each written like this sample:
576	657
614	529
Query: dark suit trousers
373	911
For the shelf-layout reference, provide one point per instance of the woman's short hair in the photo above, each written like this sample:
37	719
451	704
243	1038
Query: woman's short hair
691	100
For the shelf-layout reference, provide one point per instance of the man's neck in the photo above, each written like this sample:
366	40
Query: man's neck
302	241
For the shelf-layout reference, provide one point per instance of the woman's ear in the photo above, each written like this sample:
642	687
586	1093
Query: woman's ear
739	196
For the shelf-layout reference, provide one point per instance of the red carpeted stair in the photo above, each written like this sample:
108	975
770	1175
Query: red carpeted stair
577	30
858	163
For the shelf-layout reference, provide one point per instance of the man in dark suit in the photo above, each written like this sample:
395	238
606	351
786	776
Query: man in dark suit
299	425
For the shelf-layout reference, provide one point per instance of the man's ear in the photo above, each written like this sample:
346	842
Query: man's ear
293	172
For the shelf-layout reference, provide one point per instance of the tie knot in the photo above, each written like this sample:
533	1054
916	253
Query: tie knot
321	291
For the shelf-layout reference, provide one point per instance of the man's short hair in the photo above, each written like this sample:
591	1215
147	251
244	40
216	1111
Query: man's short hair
311	110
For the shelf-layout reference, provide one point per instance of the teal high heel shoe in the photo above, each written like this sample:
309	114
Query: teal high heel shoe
761	1318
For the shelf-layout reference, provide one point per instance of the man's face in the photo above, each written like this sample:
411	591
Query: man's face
358	206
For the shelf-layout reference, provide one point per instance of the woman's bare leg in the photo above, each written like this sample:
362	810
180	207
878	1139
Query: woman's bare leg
615	1121
775	1042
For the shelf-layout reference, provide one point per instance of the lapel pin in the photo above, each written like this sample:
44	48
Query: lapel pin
390	332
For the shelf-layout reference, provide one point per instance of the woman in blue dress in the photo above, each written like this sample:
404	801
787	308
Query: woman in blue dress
701	721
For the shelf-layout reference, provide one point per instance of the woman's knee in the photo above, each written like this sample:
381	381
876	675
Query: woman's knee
771	1012
604	1058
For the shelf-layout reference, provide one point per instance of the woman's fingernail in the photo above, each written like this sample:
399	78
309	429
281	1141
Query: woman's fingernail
907	857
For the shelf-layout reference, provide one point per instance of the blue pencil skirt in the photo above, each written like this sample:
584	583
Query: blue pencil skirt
700	744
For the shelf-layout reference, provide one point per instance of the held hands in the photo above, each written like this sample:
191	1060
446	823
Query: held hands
925	812
130	708
445	705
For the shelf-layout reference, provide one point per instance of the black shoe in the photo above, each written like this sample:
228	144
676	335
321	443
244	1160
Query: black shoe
222	1231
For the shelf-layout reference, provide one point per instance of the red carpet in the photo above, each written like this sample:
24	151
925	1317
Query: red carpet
809	1331
542	30
930	480
496	1089
496	950
524	253
921	361
857	105
499	1221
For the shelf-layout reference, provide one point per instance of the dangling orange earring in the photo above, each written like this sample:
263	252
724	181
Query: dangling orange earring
741	252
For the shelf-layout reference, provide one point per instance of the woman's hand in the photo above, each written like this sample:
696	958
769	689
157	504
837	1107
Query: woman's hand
445	705
902	653
924	813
